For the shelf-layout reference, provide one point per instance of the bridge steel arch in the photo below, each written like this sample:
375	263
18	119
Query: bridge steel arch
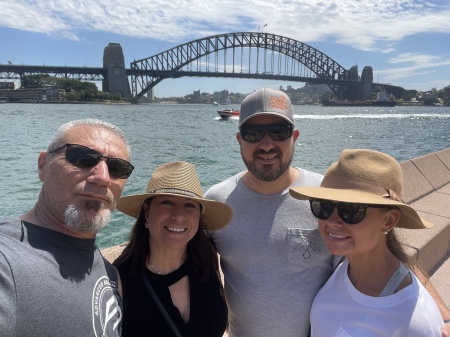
274	57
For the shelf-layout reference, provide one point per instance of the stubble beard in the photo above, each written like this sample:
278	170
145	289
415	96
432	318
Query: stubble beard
267	172
82	219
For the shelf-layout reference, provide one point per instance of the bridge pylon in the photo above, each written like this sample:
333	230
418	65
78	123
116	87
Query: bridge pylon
115	81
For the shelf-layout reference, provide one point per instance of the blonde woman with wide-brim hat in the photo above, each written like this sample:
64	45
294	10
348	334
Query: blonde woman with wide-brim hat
374	291
169	255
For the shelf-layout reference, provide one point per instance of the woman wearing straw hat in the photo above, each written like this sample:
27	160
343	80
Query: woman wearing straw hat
374	291
169	270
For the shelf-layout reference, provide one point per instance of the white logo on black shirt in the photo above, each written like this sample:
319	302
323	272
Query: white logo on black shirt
106	311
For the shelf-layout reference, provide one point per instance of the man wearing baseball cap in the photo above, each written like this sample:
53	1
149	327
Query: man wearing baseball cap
272	256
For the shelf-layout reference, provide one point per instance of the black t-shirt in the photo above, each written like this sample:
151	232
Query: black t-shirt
142	317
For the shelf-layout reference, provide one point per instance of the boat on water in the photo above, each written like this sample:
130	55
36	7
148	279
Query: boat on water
382	100
227	113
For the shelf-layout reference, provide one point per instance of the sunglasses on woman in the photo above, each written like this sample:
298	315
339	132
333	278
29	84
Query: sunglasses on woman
350	213
83	156
255	133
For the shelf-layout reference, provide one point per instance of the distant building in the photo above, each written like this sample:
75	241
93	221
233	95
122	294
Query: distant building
216	96
33	95
151	93
7	85
430	95
224	95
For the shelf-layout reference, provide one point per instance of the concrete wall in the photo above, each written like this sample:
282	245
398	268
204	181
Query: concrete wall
427	189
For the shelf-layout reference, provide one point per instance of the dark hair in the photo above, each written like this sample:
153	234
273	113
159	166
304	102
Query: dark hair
201	255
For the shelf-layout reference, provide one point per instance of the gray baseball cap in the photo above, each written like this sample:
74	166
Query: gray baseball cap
266	101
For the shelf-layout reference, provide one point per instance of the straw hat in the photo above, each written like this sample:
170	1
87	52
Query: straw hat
178	179
365	177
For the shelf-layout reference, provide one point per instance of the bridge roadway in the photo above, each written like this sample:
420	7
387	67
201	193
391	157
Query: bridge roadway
13	71
427	189
99	74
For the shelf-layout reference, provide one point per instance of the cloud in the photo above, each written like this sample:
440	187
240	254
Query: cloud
417	65
362	24
414	58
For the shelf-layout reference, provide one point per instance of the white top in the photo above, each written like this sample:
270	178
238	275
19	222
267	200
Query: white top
340	310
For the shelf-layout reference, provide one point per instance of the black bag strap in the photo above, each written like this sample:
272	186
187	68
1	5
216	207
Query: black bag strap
160	306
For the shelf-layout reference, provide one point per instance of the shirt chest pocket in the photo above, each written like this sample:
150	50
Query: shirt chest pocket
305	247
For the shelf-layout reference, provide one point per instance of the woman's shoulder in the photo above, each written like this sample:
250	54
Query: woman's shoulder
124	268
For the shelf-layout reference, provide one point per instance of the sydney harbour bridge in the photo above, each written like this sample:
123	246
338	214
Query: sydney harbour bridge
234	55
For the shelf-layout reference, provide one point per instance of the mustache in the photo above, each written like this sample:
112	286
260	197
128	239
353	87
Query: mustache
99	191
264	152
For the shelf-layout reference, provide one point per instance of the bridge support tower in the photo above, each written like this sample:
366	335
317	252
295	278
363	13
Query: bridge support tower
115	81
367	83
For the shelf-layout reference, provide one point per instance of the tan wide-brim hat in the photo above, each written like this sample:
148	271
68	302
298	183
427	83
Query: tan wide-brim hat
365	177
179	179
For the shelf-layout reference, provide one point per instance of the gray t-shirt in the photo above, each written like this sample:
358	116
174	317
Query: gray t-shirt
273	258
52	284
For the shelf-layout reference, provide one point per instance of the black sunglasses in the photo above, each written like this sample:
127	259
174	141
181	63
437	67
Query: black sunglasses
255	133
350	213
83	156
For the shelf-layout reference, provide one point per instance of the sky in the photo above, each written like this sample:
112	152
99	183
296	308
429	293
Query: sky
406	42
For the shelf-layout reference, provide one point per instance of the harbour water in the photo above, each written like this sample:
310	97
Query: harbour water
159	133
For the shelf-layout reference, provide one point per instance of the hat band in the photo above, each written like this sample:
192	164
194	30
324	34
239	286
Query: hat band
345	183
175	191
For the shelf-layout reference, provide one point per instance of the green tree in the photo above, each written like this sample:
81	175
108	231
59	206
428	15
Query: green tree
430	101
36	80
408	95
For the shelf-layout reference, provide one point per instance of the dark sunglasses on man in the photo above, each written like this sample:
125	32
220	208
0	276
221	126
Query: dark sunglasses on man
83	156
255	133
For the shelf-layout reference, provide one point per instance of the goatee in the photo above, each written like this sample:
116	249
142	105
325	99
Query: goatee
267	172
83	219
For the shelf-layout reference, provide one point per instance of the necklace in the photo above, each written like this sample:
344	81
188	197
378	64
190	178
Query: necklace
154	269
